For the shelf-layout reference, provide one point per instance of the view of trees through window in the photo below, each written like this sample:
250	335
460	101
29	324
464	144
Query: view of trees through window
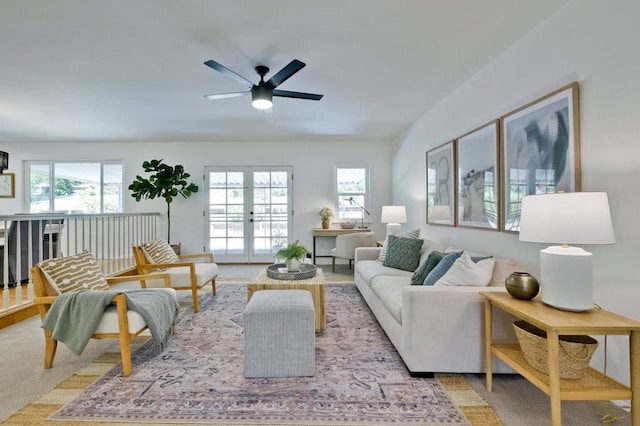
83	187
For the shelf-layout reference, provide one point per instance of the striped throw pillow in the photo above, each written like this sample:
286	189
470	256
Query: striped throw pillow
159	251
383	252
73	273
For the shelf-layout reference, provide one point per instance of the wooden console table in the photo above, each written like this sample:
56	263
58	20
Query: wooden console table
332	232
595	385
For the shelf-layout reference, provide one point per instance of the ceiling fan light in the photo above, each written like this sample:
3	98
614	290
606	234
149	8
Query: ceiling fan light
261	98
262	103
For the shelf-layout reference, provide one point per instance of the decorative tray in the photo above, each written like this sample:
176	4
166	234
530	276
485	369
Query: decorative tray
278	271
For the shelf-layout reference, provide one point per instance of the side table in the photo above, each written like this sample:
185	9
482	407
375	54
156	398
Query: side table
595	385
314	284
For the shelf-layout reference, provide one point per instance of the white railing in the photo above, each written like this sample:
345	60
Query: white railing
26	239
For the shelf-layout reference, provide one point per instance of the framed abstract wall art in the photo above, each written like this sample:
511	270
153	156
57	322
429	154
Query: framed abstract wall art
540	150
478	170
441	185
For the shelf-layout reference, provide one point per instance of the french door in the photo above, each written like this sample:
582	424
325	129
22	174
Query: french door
248	212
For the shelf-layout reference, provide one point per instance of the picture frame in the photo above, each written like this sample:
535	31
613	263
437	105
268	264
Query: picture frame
540	150
441	178
478	182
7	185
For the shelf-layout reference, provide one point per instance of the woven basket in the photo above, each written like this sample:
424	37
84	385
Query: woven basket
575	351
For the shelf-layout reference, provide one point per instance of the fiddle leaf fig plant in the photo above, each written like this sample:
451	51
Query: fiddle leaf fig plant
166	182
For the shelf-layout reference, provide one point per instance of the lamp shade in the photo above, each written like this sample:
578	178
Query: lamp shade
394	214
567	218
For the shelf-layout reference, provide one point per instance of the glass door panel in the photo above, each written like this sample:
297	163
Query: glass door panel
249	216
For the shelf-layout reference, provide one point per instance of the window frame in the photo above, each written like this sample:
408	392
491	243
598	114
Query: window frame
52	177
338	196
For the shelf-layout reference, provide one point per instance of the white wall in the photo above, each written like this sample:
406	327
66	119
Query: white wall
313	166
595	43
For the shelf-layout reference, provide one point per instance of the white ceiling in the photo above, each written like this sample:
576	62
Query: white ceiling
122	70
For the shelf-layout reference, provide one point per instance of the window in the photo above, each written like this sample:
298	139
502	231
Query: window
352	183
78	187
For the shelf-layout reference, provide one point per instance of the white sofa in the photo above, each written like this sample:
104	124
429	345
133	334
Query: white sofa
433	328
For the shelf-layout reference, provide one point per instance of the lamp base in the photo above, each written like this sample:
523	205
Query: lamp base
566	278
393	228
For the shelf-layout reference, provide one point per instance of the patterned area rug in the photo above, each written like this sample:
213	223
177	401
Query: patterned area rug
360	378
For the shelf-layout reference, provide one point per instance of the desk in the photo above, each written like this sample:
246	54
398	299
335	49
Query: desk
332	232
595	385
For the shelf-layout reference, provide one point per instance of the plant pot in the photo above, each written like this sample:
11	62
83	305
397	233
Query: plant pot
326	224
293	265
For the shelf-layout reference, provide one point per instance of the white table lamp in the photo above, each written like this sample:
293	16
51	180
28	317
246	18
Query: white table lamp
566	272
393	216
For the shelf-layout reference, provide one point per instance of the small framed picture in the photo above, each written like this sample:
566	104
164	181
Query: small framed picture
478	177
7	185
540	150
441	183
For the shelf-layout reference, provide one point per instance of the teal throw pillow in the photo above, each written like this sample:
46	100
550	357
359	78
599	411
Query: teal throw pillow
443	266
427	266
383	251
403	253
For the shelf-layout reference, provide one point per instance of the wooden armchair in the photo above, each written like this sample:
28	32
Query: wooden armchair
185	271
117	322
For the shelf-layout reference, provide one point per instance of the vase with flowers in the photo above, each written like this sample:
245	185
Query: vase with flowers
326	214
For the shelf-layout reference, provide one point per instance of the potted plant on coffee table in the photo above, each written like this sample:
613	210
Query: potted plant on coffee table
292	255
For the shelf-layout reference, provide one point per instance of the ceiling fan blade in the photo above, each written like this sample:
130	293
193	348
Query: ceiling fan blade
297	95
227	95
226	71
286	72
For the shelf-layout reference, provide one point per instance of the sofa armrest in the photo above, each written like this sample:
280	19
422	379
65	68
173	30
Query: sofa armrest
367	253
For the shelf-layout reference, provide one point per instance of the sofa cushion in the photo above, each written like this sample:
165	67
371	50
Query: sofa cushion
389	291
427	266
383	252
428	247
369	269
77	272
403	253
502	269
441	268
465	271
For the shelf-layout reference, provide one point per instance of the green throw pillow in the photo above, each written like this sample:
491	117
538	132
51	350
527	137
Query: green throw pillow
403	253
443	266
427	266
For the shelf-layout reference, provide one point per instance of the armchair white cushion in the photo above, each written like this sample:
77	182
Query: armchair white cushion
346	246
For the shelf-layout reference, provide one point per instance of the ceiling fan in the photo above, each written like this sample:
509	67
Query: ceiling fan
263	93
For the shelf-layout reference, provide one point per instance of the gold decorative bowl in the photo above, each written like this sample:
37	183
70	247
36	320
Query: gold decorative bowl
522	285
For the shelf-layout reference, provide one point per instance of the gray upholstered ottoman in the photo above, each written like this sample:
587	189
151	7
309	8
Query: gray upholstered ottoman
279	334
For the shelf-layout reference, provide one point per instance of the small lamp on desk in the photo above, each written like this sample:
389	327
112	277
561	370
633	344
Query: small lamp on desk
393	216
566	272
352	201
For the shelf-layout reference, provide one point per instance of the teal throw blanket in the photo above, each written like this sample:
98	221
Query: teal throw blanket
74	316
